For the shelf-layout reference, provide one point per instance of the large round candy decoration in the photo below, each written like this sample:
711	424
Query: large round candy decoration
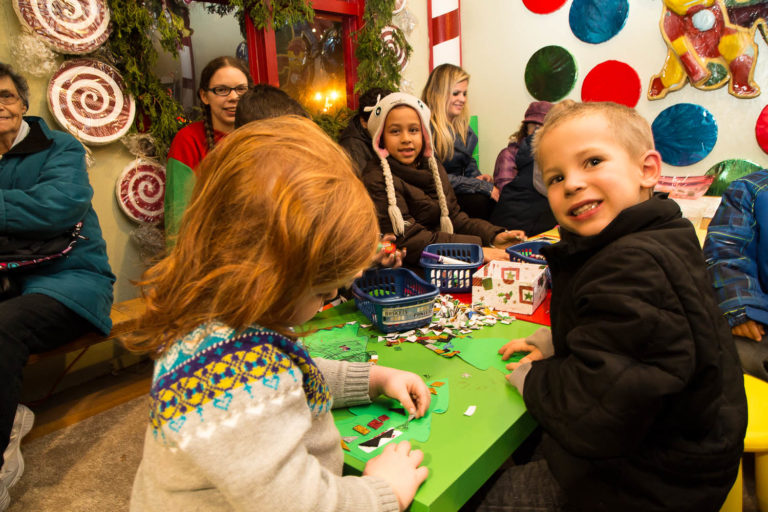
140	191
87	98
67	26
395	40
761	129
550	73
596	21
728	170
614	81
684	133
399	6
543	6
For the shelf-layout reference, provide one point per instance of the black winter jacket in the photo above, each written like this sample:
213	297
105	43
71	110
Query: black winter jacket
416	196
643	403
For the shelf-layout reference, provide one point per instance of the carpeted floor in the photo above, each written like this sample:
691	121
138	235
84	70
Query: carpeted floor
87	467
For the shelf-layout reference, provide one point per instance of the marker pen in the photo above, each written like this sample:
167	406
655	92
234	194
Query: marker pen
445	260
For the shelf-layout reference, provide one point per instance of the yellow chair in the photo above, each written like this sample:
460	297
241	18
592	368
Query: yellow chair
755	441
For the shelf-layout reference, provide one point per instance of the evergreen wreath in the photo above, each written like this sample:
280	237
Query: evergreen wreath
377	63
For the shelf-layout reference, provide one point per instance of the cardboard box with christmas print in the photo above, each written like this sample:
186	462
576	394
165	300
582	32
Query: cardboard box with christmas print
510	286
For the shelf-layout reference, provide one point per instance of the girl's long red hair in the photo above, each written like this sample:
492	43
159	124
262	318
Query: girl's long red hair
277	211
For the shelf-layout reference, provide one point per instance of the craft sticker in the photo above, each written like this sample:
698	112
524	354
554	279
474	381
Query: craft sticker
684	133
596	21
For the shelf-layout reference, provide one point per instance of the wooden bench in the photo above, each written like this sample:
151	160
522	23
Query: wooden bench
124	315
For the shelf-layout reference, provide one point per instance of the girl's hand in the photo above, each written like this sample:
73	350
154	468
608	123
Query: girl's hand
399	466
495	194
491	253
749	329
507	238
405	387
519	345
391	260
485	177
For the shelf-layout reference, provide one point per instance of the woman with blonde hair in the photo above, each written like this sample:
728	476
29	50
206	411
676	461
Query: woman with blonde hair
239	411
446	96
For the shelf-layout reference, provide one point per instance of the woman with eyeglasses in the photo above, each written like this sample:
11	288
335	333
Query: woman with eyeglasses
223	81
45	301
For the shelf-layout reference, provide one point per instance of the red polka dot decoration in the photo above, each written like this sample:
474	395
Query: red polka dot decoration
761	129
543	6
612	80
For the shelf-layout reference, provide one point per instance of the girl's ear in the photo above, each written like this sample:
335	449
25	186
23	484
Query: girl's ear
651	168
203	98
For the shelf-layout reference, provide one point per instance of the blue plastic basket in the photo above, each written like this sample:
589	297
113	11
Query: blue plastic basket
394	299
528	252
452	278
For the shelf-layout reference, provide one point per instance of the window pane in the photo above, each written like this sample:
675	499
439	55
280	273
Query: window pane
310	61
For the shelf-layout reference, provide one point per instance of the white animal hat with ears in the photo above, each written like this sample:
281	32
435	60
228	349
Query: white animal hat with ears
376	123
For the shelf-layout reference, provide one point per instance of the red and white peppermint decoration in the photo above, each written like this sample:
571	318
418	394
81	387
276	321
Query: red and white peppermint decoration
87	98
389	35
444	32
67	26
140	191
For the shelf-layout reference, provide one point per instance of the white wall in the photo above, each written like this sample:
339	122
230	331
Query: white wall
499	36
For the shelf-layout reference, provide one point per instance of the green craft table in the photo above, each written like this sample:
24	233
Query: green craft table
462	451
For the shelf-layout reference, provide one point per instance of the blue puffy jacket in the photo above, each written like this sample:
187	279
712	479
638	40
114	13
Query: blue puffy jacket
44	192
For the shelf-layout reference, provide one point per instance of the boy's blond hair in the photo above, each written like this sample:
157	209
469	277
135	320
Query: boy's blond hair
276	212
630	129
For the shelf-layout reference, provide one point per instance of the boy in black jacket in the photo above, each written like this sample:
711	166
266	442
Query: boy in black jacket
638	388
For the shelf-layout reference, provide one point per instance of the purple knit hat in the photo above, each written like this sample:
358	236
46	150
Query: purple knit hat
536	112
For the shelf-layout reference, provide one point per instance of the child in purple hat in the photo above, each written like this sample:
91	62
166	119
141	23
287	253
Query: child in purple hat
522	204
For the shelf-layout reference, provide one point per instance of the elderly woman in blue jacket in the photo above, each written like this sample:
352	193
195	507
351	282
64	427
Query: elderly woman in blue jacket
44	193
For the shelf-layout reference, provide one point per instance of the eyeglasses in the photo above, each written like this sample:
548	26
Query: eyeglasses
223	90
8	98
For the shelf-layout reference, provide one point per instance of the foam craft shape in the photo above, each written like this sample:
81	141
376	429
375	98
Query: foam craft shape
418	428
331	343
483	353
614	81
707	49
597	21
684	133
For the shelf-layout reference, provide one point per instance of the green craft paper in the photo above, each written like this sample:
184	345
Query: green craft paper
483	353
418	428
327	343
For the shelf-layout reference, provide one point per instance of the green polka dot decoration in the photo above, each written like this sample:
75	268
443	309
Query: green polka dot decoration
550	73
727	171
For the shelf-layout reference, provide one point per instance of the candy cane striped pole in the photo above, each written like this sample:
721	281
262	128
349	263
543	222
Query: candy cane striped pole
444	32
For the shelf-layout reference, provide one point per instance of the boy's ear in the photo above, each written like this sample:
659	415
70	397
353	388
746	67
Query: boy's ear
651	168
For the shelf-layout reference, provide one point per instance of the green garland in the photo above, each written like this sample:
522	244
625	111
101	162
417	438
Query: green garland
282	12
135	57
377	64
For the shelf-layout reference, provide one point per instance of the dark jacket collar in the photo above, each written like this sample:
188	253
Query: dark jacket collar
34	142
656	211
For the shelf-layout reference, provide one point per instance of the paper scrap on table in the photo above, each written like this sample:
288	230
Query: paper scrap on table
470	410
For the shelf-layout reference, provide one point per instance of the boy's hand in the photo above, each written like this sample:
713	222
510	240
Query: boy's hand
492	253
520	345
406	387
495	194
399	466
506	238
749	329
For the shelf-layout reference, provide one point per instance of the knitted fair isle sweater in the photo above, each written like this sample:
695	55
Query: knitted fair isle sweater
243	422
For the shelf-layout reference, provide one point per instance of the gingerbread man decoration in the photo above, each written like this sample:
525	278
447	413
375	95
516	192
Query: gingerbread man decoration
706	49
